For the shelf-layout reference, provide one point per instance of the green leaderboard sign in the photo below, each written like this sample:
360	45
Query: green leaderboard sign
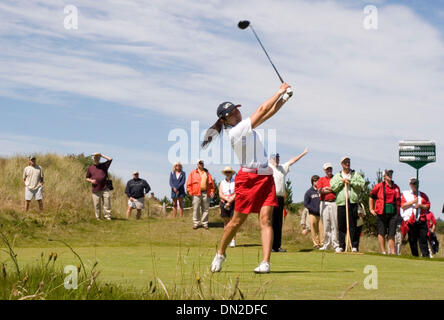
417	153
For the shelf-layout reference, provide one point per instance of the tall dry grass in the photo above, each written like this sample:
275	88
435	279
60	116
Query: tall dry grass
67	195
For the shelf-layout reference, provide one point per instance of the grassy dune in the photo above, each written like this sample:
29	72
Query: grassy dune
160	257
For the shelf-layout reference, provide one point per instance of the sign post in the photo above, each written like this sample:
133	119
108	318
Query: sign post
417	153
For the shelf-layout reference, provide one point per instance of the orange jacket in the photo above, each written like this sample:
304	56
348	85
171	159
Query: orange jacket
193	183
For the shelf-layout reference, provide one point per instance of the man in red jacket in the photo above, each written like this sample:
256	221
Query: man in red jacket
200	185
385	204
417	228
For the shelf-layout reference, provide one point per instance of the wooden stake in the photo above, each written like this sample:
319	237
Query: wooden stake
347	238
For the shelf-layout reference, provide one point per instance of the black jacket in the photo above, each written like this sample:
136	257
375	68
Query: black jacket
137	188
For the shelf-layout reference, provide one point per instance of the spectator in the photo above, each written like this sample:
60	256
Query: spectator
33	180
359	222
328	209
312	203
433	240
136	189
354	182
305	224
385	204
201	186
227	197
152	197
279	173
177	184
97	175
414	226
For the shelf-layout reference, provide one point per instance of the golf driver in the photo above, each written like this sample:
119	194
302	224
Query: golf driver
244	24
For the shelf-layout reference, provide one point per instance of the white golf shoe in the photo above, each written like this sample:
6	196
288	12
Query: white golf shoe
216	265
232	244
264	267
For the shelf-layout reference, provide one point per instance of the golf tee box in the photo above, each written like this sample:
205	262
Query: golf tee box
417	153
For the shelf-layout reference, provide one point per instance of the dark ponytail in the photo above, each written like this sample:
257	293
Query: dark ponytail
212	132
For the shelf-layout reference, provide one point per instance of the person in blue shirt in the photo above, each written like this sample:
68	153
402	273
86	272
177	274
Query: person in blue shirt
312	202
136	189
177	184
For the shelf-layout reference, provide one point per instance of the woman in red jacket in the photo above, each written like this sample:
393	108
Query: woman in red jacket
385	204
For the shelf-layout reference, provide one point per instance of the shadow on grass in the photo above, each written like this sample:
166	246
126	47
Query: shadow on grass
216	224
305	250
295	271
247	245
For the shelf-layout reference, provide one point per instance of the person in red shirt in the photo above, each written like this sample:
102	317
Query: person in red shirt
97	175
417	226
431	225
328	209
385	204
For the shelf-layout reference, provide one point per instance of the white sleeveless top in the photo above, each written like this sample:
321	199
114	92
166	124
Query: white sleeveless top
248	145
227	187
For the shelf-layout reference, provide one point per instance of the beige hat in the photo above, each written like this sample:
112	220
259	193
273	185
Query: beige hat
96	154
344	158
135	172
199	160
327	165
413	180
228	169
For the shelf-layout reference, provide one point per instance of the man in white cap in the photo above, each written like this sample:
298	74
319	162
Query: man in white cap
354	183
33	180
328	209
136	189
279	173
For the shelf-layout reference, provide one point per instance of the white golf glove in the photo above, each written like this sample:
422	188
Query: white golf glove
287	95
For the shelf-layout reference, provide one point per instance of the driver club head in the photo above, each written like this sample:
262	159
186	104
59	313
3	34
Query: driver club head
243	24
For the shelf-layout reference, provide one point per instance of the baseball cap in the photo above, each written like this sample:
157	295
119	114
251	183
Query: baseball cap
274	156
327	165
225	108
387	172
31	157
413	181
135	172
344	158
200	160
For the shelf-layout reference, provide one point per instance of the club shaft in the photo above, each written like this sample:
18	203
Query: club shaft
269	59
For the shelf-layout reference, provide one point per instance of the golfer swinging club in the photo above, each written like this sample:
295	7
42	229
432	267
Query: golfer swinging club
254	184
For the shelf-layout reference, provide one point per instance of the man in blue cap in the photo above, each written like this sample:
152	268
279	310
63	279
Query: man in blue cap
279	173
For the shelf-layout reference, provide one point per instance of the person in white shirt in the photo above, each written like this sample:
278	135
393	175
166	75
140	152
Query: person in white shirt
33	180
227	197
254	184
279	174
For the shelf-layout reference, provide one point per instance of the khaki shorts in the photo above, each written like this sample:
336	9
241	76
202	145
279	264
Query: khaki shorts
138	204
36	193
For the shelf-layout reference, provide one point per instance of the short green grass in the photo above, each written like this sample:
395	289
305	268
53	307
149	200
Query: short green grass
132	253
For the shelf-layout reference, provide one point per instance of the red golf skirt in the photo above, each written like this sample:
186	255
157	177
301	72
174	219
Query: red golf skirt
253	192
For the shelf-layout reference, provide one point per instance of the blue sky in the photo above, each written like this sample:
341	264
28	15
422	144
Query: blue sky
134	71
